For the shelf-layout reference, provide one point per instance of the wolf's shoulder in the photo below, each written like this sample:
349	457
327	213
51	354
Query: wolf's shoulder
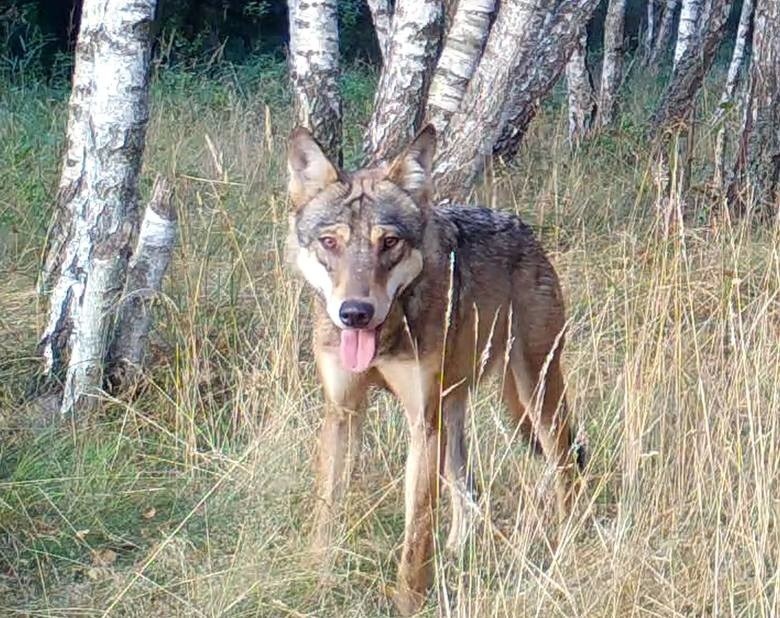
481	224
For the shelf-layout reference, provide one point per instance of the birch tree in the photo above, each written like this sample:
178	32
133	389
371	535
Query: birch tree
688	74
579	89
650	29
146	269
464	44
664	34
612	66
756	178
96	209
738	57
406	75
687	28
314	70
381	13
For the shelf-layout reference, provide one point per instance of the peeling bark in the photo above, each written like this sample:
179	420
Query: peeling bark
579	88
526	52
96	209
727	101
314	70
650	28
382	16
612	67
688	74
403	84
664	34
146	270
460	57
756	179
687	28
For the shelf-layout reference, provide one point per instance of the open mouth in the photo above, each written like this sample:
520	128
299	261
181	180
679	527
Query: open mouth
358	348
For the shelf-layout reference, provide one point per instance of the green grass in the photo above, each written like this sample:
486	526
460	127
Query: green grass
193	499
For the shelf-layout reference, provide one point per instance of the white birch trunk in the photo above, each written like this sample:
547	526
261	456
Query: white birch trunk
612	67
579	88
688	74
541	70
756	181
650	28
687	28
97	198
459	58
732	81
382	16
146	269
526	51
314	69
403	84
664	34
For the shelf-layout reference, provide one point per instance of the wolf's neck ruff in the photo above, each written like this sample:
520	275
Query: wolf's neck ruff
357	349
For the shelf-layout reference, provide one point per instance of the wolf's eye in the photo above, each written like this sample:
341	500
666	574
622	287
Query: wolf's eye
329	242
390	241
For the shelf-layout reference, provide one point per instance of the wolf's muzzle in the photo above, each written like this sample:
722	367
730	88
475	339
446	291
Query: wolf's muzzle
356	313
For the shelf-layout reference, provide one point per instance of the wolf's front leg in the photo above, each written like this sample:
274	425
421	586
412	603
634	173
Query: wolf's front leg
339	444
418	390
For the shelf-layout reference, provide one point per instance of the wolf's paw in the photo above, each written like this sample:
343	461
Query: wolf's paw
407	602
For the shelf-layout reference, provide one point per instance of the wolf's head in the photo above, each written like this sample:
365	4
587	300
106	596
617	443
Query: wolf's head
357	235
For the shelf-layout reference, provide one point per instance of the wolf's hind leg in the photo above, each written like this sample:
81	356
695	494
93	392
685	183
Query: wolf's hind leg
546	405
338	447
456	471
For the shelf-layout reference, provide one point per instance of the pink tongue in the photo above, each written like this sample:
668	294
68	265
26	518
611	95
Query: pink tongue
357	349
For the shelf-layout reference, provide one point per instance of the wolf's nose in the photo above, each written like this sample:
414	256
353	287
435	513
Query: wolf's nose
356	313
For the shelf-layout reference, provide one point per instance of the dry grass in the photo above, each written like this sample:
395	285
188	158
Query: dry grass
194	498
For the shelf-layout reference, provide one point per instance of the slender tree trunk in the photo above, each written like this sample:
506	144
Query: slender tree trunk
756	181
146	270
612	68
579	87
664	34
459	58
727	100
688	74
687	28
526	52
382	16
314	69
97	198
403	84
650	28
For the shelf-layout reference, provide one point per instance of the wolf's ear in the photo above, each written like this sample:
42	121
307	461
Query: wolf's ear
310	169
412	168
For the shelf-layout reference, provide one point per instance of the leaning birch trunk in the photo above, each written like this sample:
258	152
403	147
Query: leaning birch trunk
97	198
526	52
541	71
579	88
756	181
145	273
381	15
403	84
688	74
459	58
664	34
729	90
687	28
314	70
612	67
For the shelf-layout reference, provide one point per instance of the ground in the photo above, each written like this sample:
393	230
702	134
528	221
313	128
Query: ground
193	497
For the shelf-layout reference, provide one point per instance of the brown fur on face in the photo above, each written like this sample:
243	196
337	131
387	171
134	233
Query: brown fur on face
478	268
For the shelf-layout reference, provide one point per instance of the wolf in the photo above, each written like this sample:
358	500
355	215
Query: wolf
423	301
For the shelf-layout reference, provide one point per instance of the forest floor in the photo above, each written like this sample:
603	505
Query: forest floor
193	498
